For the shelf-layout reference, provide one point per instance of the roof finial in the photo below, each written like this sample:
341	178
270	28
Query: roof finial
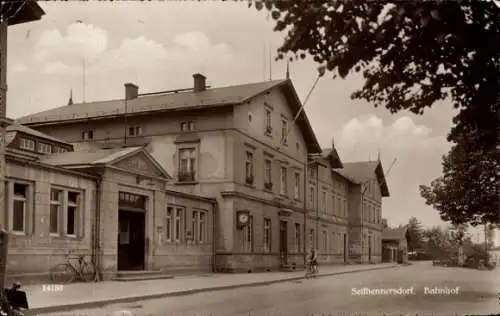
333	142
70	101
287	69
378	155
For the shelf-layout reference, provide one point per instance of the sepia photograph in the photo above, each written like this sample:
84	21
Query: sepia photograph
252	157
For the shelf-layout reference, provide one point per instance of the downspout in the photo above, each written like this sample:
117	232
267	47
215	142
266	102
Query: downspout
305	210
214	232
317	206
96	249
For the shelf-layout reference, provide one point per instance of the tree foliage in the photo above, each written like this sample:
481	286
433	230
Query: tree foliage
415	230
412	54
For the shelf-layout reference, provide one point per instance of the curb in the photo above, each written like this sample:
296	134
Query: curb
106	302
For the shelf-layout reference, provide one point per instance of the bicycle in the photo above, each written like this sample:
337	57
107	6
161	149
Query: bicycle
68	272
311	270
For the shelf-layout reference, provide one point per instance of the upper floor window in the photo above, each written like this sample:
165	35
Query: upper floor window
311	196
268	174
284	131
187	126
187	164
44	148
134	131
88	134
312	171
249	165
323	201
283	182
27	144
296	186
267	234
268	127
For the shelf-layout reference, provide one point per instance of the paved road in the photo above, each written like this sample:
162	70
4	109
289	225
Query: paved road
477	293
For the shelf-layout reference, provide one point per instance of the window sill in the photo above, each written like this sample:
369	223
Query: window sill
186	182
250	185
16	233
268	190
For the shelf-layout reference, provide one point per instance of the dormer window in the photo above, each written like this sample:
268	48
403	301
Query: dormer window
44	148
134	131
187	126
27	144
88	134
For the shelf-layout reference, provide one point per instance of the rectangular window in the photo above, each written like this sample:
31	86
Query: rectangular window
187	126
44	148
297	237
267	234
88	134
284	131
27	144
325	241
168	224
194	225
312	172
296	187
178	219
311	196
19	208
334	211
247	236
333	243
268	122
249	165
72	213
187	165
283	182
55	210
267	174
311	238
134	131
346	210
338	206
323	201
202	227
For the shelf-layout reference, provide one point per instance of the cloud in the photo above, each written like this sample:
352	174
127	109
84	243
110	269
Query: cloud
187	52
60	68
79	41
18	68
403	136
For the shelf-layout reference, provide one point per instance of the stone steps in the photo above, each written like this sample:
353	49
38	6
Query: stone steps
124	276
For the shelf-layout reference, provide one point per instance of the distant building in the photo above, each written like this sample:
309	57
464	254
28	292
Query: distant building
276	192
395	244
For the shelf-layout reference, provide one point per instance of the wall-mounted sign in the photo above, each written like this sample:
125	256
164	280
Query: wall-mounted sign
242	218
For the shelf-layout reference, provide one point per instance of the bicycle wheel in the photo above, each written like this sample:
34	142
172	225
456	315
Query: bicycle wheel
62	273
87	272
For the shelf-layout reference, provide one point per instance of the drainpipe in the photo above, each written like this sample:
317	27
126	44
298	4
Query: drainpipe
96	245
317	206
305	210
214	232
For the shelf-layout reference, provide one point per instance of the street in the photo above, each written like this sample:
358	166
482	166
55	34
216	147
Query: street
336	295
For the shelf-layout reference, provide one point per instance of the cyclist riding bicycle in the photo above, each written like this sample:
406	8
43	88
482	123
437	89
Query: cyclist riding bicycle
313	260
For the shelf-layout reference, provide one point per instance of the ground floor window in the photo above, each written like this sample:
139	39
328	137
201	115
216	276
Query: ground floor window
174	223
311	238
199	226
297	237
247	236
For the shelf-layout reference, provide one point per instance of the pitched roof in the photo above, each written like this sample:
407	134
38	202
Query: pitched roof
365	170
394	233
152	103
95	157
146	104
333	155
14	128
92	157
24	11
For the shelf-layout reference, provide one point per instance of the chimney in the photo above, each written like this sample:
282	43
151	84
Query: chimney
199	82
131	91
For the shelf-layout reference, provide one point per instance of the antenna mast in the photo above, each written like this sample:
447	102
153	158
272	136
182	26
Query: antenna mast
270	63
264	62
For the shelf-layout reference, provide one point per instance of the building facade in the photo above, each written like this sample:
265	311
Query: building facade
250	149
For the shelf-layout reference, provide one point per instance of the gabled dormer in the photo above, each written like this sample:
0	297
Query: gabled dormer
31	142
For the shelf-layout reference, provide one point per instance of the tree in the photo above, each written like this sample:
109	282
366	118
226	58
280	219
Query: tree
415	231
412	54
437	242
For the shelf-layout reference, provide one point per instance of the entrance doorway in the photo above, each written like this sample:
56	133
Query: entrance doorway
369	248
345	248
283	242
131	232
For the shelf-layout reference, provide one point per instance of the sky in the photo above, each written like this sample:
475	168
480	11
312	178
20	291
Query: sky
93	48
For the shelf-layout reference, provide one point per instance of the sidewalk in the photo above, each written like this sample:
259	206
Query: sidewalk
90	295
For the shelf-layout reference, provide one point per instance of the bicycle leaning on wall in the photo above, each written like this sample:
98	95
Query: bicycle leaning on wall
75	269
